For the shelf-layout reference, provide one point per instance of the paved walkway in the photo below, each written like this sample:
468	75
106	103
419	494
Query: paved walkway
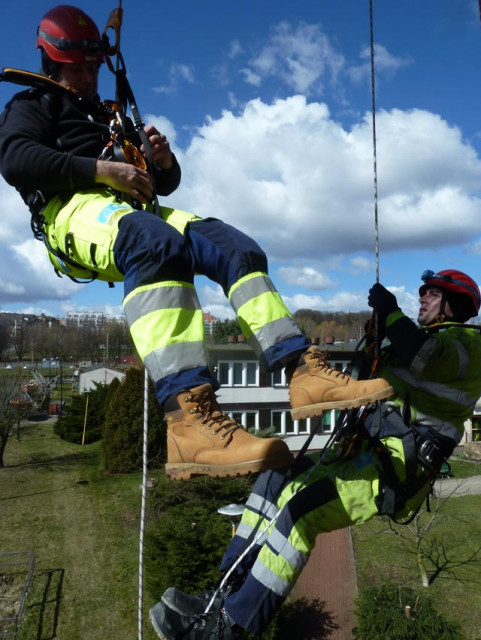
328	582
330	579
458	487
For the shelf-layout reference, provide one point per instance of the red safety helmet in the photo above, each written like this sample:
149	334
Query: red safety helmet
453	282
67	34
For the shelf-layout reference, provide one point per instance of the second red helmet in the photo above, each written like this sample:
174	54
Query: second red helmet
455	282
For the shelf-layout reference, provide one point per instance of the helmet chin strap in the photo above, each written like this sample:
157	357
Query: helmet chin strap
441	316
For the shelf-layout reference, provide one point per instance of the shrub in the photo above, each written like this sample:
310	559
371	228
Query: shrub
381	615
186	541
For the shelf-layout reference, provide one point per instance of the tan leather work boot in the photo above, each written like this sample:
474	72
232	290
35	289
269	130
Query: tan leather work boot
201	440
316	387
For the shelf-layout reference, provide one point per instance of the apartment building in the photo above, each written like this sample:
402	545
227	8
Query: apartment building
260	399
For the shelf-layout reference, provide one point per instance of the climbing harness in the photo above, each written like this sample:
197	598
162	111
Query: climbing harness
119	147
37	205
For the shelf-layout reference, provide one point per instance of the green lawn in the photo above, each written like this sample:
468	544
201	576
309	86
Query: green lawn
84	529
463	468
383	555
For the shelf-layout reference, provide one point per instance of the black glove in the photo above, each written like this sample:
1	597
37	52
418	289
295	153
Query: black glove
382	301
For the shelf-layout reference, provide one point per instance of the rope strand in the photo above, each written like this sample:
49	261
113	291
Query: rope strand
144	496
377	345
374	146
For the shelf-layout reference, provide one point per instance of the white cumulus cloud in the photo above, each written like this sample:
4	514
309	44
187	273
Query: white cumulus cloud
293	178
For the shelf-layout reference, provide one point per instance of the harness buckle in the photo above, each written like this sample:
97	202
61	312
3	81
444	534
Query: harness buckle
430	456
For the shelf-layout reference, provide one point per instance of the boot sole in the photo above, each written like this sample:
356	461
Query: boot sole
187	470
153	621
312	410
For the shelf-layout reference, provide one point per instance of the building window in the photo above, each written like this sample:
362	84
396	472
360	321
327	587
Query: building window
251	420
276	419
238	374
285	425
223	373
329	421
304	425
279	378
251	373
248	419
290	425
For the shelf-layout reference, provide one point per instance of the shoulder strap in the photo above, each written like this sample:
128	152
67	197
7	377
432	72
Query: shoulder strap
30	79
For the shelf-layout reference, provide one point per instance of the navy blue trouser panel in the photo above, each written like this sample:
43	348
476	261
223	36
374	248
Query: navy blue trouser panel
268	485
222	253
148	250
187	379
225	255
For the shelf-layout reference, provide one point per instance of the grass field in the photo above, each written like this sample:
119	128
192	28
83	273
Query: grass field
84	529
84	526
383	555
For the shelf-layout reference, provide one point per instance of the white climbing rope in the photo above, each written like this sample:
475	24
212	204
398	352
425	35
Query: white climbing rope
142	510
374	146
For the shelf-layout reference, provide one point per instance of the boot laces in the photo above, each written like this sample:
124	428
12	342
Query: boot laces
202	620
321	358
210	413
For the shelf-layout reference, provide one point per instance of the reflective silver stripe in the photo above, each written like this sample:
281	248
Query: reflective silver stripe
261	505
464	359
284	548
424	354
164	297
244	530
441	426
269	579
435	388
174	358
429	347
272	333
249	289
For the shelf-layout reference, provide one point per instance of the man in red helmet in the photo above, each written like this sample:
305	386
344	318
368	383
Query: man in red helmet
60	147
385	466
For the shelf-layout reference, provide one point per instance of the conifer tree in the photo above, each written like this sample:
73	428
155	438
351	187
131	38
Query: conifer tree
77	414
123	428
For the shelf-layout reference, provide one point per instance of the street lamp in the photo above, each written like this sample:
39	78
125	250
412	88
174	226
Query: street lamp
234	513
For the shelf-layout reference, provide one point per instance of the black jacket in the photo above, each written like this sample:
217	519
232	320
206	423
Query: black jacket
50	142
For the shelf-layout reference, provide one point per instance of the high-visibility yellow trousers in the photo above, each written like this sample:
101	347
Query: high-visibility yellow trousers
315	499
157	257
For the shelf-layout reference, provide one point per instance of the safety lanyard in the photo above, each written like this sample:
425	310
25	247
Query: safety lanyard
124	94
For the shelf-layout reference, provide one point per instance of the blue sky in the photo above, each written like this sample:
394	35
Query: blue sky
267	106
